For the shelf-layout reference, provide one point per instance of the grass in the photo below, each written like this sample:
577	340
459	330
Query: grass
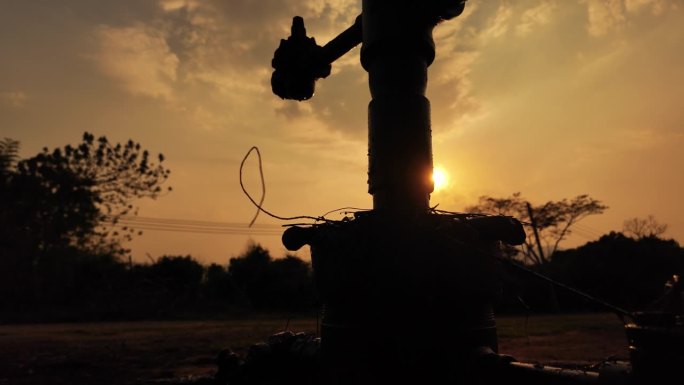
542	325
130	352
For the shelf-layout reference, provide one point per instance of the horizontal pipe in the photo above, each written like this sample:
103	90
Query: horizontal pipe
531	374
343	43
486	366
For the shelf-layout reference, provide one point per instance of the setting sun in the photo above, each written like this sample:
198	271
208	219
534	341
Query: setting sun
440	178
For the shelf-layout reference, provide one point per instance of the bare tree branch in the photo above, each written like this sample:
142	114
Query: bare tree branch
639	228
554	219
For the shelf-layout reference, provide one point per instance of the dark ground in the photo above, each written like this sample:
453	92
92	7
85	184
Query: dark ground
135	352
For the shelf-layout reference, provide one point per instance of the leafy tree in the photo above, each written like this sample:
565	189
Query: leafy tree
181	276
272	284
249	272
62	196
218	284
553	220
290	284
53	206
625	271
639	228
9	153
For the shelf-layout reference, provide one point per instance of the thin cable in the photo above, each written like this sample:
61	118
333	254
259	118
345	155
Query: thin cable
459	214
589	230
615	309
189	222
190	225
344	208
243	231
475	215
194	227
263	189
182	227
263	182
582	234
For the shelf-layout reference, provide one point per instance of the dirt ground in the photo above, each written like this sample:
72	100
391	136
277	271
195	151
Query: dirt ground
135	352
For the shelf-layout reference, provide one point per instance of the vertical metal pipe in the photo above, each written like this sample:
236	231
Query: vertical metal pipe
397	50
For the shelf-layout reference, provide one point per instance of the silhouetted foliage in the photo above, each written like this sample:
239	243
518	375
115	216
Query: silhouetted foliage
625	271
70	284
249	272
61	196
643	227
290	284
42	216
181	276
554	220
9	153
53	205
272	284
218	283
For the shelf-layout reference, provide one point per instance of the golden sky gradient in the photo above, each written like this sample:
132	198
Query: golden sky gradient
552	98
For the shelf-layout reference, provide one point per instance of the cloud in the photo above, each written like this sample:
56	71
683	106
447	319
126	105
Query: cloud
609	15
656	6
222	50
604	15
293	110
139	58
174	5
499	24
627	143
14	99
536	16
228	46
452	84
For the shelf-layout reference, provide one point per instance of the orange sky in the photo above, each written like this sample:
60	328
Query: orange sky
549	98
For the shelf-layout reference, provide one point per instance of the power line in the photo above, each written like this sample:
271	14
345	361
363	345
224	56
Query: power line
190	222
198	228
193	230
234	228
190	226
583	234
589	230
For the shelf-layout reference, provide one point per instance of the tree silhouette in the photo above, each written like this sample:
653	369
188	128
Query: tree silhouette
553	220
643	227
625	271
218	284
272	284
62	196
180	276
290	284
9	153
53	205
249	271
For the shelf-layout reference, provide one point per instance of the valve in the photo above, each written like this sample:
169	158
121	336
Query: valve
448	9
499	228
294	238
298	63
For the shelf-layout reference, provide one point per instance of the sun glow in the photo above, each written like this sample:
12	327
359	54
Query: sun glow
440	178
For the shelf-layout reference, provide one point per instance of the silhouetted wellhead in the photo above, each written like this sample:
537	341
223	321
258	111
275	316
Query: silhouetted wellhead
421	301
